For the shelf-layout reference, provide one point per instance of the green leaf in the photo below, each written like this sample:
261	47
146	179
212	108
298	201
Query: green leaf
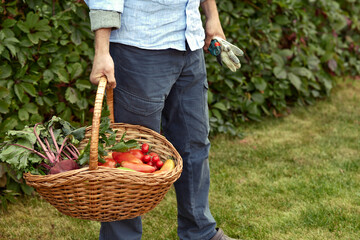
124	146
5	71
48	101
286	53
258	98
43	26
11	40
301	71
27	189
217	114
220	105
8	23
23	115
278	59
9	123
295	81
71	95
66	114
23	27
62	74
25	43
83	85
19	91
31	108
32	20
76	70
259	82
4	107
29	88
4	92
22	58
210	97
229	83
82	104
34	38
282	19
13	49
313	62
2	48
280	72
76	37
48	75
43	35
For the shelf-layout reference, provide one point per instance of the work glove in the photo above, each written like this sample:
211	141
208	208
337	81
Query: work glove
229	53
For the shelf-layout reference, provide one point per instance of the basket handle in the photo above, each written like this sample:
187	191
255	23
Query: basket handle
93	162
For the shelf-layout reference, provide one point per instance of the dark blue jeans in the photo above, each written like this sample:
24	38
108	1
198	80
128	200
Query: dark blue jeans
167	90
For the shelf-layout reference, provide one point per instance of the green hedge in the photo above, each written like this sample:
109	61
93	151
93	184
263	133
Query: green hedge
46	48
293	51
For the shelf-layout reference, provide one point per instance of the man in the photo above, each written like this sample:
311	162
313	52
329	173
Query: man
151	53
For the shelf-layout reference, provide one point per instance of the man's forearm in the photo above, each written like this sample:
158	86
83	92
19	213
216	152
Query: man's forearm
102	43
210	9
103	64
212	25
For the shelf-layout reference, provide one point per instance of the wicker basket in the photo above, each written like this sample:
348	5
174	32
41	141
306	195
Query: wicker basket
109	194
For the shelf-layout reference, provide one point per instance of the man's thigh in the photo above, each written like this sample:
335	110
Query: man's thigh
144	80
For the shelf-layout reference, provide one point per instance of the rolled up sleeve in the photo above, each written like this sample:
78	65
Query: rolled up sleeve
105	14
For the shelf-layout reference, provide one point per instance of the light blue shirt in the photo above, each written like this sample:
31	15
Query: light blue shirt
156	24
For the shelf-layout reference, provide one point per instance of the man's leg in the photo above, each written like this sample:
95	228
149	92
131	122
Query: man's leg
185	125
144	79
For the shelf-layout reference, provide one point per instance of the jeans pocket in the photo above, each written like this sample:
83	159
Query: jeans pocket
135	104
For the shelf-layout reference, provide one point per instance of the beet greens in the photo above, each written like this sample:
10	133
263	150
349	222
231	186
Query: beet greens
41	148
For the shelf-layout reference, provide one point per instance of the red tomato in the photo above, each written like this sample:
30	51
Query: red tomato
151	163
152	154
155	159
145	147
146	158
109	163
159	164
137	153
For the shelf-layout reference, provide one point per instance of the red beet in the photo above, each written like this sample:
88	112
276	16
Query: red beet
63	166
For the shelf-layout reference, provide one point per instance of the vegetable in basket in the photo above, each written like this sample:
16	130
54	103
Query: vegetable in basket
47	148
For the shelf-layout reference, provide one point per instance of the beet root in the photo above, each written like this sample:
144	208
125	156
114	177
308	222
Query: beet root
63	166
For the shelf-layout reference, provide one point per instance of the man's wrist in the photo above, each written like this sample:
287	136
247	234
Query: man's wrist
102	43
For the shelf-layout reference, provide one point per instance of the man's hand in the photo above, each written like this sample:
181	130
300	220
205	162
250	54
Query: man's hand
103	64
229	53
212	25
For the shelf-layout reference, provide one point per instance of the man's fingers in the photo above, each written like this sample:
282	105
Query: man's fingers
207	44
111	81
94	79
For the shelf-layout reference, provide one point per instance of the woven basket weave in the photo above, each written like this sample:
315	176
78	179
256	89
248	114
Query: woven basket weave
109	194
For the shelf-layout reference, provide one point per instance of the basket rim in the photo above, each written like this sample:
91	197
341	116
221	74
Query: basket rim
84	174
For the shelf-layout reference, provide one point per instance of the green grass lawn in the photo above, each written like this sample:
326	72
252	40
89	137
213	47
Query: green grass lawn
295	177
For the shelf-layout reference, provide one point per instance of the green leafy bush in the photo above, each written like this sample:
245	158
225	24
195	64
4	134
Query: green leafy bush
293	52
45	52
